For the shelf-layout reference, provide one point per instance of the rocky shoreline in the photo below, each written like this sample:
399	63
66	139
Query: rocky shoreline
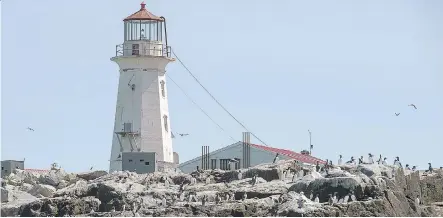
379	190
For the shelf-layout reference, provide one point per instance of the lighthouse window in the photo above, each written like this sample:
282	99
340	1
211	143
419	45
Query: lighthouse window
135	49
165	121
162	86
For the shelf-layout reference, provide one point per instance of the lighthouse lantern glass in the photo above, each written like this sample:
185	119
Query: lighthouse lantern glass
150	30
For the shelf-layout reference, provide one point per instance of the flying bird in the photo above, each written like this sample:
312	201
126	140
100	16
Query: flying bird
396	114
30	129
183	134
412	105
91	168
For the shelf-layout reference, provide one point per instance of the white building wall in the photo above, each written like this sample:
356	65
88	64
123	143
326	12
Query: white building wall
258	156
144	107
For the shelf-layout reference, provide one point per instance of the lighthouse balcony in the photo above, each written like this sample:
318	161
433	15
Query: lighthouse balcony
143	48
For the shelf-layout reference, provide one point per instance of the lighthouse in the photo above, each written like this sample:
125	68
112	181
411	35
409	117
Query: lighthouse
142	116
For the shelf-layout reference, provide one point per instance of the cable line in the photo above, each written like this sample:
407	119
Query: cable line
207	91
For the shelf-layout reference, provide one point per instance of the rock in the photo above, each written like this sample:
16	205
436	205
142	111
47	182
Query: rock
431	189
142	194
370	169
4	195
42	190
341	185
25	187
92	175
50	178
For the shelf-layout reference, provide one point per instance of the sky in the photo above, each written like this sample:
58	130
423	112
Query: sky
338	68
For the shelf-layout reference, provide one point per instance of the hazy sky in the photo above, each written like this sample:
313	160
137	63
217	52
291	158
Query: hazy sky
339	68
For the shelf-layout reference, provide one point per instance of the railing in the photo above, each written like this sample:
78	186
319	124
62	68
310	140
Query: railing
157	52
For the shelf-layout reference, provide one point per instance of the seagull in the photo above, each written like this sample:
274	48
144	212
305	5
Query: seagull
396	114
30	129
412	105
183	134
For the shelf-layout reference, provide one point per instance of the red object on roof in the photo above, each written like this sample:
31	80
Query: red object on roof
36	171
294	155
143	14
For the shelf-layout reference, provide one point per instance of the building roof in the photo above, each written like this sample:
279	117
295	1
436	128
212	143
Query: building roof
36	170
291	154
143	14
294	155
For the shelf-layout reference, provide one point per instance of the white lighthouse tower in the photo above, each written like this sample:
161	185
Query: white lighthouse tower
142	115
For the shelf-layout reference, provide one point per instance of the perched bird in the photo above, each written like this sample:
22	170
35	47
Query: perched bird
239	175
414	168
407	167
346	198
430	168
340	201
353	198
113	209
254	179
311	196
276	158
335	198
352	161
301	173
340	160
417	203
30	129
245	196
331	200
396	114
380	160
217	199
124	207
412	105
294	177
166	183
317	199
370	159
227	197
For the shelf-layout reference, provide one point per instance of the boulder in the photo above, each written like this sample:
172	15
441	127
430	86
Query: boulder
4	195
42	190
92	175
25	187
326	186
432	189
50	178
370	169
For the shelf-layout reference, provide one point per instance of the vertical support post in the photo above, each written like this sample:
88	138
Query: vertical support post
202	157
207	159
246	149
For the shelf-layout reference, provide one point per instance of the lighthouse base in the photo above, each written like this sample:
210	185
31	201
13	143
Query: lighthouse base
144	162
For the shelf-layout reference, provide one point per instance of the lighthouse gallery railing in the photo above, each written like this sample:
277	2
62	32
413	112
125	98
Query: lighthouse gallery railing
158	52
